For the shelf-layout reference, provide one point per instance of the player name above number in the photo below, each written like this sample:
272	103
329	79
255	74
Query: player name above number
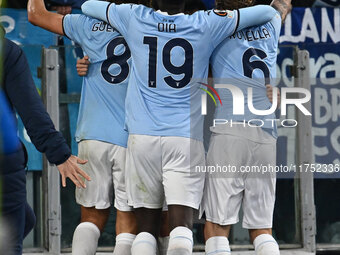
167	27
102	26
252	35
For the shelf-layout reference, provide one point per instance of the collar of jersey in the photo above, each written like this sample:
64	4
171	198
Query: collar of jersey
165	13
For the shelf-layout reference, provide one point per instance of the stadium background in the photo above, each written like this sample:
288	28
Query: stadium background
312	28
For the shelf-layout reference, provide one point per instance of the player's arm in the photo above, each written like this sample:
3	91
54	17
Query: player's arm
39	16
283	7
118	16
255	16
96	9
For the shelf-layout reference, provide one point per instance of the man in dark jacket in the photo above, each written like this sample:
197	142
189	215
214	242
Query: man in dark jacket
9	141
20	91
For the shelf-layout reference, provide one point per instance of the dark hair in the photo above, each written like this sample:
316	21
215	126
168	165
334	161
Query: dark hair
124	1
154	4
170	6
233	5
168	2
192	6
145	2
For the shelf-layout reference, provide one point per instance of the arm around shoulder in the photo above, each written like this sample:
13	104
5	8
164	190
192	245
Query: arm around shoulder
283	7
96	9
256	15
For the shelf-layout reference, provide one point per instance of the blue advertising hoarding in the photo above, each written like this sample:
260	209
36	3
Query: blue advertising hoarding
318	31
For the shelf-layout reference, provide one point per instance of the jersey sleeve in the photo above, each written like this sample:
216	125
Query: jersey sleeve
275	26
221	24
23	95
73	26
276	22
255	16
119	16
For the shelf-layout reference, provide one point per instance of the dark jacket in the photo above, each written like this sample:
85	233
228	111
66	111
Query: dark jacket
22	94
9	141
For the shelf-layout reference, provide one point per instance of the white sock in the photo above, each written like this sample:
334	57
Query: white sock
266	245
145	244
123	244
217	245
163	243
85	239
181	241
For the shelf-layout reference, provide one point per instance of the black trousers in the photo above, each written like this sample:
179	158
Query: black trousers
17	215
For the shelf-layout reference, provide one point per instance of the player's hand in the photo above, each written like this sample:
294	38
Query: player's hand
284	7
70	169
83	66
270	94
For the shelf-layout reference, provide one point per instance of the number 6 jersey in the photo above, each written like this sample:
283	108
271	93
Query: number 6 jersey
102	107
248	60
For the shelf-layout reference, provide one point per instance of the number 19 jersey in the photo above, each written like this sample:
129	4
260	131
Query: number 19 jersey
102	106
169	53
248	59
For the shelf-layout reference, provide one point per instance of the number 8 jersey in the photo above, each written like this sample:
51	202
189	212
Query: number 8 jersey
102	107
170	53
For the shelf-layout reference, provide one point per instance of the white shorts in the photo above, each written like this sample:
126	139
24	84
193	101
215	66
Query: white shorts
162	168
106	167
228	188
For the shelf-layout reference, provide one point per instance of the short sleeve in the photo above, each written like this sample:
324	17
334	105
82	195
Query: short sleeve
119	16
221	24
73	26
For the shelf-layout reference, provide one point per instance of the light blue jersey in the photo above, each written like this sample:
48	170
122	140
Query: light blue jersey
101	114
246	59
168	52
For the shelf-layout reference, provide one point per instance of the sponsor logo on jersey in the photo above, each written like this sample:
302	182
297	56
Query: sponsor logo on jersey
224	13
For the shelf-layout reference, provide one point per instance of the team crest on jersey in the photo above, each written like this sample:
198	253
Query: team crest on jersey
224	13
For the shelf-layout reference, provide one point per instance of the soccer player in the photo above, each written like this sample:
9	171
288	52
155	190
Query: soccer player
163	238
250	63
100	129
163	117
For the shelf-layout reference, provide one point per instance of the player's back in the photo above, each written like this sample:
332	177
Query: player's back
102	108
247	59
170	54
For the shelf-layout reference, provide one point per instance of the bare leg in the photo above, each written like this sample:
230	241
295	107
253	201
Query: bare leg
148	220
126	223
87	233
180	216
95	216
216	238
212	229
